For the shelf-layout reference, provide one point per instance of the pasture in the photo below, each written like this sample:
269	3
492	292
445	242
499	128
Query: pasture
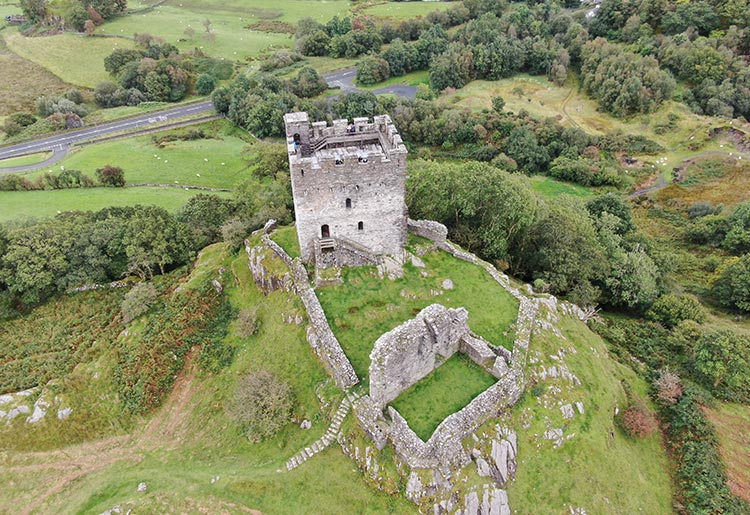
399	11
23	81
74	59
209	163
47	203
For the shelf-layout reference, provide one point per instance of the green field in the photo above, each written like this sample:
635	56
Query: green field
732	423
218	161
365	307
28	159
75	59
406	10
187	163
549	187
28	81
446	390
40	204
229	19
410	79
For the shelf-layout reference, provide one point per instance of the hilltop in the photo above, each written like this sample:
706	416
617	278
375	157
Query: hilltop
193	456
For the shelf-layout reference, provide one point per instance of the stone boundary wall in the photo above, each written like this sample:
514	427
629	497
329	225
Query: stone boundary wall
319	333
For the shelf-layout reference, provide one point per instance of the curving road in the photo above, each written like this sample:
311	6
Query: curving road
59	144
344	80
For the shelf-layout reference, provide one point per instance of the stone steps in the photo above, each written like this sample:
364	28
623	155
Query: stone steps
328	438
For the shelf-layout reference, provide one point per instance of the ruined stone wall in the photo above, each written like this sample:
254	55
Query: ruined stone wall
319	334
429	229
406	354
374	187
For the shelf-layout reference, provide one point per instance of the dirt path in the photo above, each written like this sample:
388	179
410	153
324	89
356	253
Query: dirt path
564	109
164	431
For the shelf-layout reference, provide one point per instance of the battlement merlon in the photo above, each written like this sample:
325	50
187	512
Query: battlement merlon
305	140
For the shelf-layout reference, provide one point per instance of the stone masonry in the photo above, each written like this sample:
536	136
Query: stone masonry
348	184
408	353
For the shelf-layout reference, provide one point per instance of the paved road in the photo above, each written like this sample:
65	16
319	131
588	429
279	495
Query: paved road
59	144
344	80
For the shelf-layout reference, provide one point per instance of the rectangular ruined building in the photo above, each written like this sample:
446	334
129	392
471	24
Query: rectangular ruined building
348	184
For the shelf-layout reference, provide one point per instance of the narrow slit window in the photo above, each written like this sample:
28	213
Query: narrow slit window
360	226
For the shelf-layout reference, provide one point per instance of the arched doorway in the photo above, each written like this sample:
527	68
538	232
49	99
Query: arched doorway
324	231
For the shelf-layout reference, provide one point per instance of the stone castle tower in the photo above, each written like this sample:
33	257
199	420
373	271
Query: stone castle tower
348	183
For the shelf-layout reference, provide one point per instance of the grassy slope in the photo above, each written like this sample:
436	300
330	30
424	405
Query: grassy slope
404	10
74	59
190	441
28	81
446	390
287	238
230	19
364	307
550	187
599	469
54	337
732	423
194	459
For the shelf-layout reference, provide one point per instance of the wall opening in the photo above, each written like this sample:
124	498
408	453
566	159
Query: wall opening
360	226
302	172
348	203
325	232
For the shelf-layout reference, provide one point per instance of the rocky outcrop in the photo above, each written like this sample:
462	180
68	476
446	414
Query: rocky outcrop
266	280
487	501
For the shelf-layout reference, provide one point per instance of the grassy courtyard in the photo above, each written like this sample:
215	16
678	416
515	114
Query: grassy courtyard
365	307
445	391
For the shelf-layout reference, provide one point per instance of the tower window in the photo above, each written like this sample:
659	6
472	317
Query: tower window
302	172
360	226
348	203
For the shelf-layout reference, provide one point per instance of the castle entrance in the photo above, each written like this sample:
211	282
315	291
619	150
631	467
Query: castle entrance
324	231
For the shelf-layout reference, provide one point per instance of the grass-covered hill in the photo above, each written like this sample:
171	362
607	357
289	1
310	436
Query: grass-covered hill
194	457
